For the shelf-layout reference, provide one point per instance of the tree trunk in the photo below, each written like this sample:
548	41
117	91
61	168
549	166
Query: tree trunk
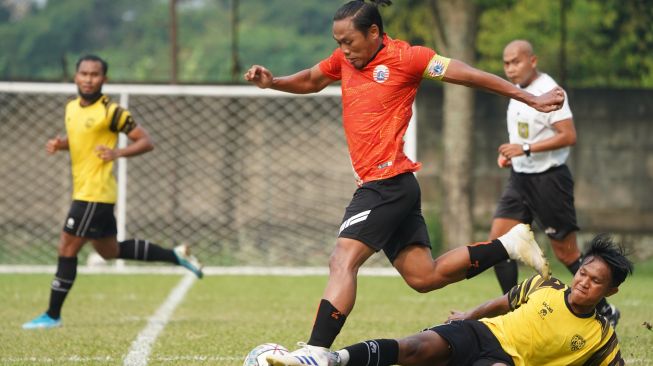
457	27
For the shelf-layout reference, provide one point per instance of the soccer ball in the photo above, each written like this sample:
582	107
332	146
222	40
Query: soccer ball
256	357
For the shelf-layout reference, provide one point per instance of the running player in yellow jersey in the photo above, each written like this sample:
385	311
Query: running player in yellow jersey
93	123
539	322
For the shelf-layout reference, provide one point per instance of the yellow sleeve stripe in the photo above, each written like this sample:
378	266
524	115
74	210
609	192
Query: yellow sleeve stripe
437	68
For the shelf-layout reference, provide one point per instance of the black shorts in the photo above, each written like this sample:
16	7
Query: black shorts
386	215
547	198
472	344
90	220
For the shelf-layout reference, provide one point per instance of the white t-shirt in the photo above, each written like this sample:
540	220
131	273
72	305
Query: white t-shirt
527	125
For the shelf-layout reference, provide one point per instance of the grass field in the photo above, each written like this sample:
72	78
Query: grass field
222	317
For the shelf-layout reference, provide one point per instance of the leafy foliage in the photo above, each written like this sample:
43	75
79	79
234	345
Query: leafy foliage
609	41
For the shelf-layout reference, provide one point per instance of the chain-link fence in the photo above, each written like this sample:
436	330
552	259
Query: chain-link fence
248	177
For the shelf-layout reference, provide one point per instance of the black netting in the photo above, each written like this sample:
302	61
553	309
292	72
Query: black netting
246	180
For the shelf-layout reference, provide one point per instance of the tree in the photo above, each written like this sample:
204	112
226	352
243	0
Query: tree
455	33
450	26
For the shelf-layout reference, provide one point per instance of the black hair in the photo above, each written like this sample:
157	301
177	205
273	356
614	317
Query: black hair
105	65
614	255
363	14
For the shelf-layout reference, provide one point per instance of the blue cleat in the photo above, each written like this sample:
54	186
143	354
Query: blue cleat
43	321
188	260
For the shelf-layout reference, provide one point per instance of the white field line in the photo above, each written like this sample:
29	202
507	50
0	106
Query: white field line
209	271
112	360
140	349
208	358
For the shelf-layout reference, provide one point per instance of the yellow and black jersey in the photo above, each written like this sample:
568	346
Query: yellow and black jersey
542	330
88	127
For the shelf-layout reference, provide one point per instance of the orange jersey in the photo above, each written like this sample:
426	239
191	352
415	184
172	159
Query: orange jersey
377	104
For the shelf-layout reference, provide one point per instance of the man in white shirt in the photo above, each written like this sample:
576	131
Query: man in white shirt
540	187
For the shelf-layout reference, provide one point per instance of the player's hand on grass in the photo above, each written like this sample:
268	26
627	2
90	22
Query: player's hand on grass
549	101
105	153
456	315
259	76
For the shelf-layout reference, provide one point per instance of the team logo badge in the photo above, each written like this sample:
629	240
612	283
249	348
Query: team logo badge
522	129
436	69
70	223
545	310
380	74
577	343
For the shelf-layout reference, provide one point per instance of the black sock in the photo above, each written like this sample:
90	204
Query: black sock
143	250
377	352
507	274
575	265
328	323
485	255
603	307
61	284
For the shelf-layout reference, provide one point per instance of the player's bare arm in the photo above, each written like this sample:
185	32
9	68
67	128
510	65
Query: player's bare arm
498	306
56	144
565	136
140	144
306	81
460	73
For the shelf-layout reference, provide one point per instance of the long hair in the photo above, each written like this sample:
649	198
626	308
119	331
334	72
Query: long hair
363	14
603	247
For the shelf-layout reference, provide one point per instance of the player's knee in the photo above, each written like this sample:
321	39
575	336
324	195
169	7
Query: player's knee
340	266
411	349
419	284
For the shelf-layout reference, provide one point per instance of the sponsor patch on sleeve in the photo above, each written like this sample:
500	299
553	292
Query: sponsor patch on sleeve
436	68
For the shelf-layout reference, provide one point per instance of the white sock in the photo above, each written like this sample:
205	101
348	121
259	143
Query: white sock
344	357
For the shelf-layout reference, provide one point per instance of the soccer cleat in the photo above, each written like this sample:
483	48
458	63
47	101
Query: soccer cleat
188	260
43	321
521	245
307	355
611	313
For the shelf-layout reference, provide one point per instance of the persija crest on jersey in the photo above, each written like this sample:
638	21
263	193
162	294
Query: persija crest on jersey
380	74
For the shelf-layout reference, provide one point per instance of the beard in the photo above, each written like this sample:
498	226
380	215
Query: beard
90	97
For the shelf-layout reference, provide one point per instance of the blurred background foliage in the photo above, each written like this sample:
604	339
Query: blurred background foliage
608	42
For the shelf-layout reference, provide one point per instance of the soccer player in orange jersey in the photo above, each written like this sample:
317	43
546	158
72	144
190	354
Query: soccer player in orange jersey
379	78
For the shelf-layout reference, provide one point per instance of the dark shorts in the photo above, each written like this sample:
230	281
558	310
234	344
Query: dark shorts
547	198
386	215
472	344
90	220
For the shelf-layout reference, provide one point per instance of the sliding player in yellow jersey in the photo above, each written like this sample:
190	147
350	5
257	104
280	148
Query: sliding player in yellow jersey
539	322
93	123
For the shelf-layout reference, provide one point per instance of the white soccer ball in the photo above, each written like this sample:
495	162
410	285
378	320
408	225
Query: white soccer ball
256	357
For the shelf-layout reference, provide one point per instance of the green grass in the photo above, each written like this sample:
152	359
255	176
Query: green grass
223	317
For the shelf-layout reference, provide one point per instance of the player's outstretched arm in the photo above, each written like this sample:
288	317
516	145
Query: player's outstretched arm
460	73
306	81
489	309
56	144
140	144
